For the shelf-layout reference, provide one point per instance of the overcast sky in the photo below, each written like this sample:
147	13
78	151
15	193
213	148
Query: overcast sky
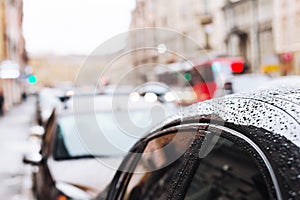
73	26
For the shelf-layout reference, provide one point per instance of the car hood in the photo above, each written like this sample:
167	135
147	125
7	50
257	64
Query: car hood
89	175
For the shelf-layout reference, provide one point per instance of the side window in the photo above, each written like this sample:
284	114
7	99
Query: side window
227	172
162	159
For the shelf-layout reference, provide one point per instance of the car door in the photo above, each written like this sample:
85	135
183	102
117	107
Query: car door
215	162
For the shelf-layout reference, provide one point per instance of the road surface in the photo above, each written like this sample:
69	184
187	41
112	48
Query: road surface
14	129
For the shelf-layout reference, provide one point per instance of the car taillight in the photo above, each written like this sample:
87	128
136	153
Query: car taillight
237	67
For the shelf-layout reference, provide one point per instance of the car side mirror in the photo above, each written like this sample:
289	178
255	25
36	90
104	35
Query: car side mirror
33	159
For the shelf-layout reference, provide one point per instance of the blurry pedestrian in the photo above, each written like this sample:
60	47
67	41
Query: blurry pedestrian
1	103
24	96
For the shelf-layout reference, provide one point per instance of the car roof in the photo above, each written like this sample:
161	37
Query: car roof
277	111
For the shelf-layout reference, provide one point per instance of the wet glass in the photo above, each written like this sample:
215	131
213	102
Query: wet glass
227	172
162	159
104	139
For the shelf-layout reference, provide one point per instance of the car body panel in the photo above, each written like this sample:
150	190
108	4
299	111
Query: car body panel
80	171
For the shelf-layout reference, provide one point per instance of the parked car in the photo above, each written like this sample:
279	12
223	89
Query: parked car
82	140
282	82
207	78
47	100
155	91
242	83
242	146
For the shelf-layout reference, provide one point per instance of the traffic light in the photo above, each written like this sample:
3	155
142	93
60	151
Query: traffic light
188	76
32	79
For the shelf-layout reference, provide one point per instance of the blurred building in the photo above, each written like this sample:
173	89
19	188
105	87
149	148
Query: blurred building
52	70
3	51
14	35
249	32
287	31
200	21
13	55
265	32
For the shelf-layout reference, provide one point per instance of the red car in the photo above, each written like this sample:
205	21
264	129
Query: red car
207	77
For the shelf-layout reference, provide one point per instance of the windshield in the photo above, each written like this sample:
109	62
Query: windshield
101	135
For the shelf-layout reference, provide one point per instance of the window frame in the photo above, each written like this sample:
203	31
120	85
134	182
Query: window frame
179	191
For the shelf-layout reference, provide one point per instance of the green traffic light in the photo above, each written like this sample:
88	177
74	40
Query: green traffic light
32	79
188	76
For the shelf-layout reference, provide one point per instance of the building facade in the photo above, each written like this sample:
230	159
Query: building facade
195	30
249	32
12	50
53	70
265	32
287	31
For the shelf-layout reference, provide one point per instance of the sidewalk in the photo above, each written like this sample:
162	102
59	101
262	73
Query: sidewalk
14	130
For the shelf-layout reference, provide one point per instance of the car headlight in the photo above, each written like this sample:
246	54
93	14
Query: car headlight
169	96
135	97
150	97
71	192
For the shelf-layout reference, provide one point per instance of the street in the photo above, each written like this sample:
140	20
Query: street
15	176
128	99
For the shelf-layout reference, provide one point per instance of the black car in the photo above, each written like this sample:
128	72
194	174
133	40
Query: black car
235	147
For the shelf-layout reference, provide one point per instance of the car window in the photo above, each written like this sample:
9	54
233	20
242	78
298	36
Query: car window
160	164
192	170
227	172
99	135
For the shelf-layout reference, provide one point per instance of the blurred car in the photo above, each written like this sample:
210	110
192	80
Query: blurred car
82	134
116	90
204	76
242	146
155	91
282	82
243	83
47	100
207	78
